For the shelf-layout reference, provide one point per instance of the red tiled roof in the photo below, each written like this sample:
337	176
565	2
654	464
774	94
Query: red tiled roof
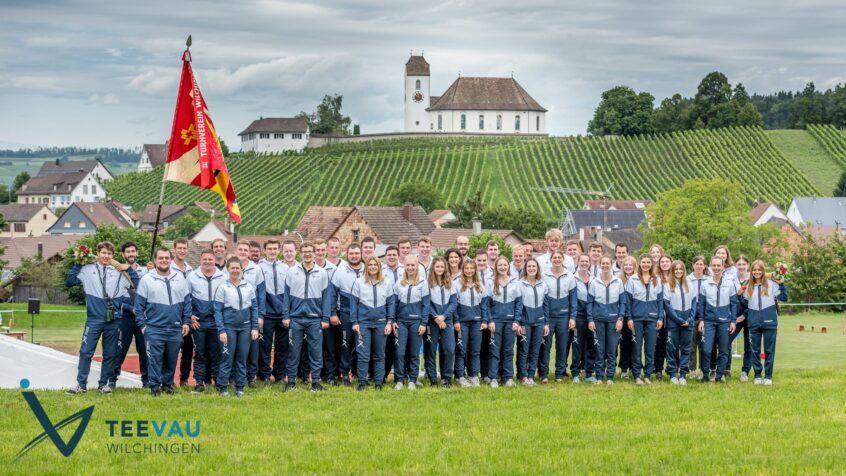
277	124
321	222
417	66
486	94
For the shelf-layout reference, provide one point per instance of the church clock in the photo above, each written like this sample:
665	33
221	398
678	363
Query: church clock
418	96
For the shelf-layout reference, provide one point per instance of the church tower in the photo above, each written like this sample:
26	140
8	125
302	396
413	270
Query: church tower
416	94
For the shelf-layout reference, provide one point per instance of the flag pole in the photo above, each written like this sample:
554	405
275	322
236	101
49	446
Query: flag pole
164	177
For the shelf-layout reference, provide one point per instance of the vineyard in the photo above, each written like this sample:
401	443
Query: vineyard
274	191
832	140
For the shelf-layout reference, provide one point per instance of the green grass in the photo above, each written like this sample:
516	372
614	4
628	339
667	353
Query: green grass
33	164
808	156
795	426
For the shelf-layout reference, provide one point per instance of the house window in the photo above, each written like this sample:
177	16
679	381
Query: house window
93	190
537	123
481	122
20	227
67	224
463	122
278	135
417	84
82	224
499	122
85	189
296	136
440	122
44	216
516	123
264	135
355	235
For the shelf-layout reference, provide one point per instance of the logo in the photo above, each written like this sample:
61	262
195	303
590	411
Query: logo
52	430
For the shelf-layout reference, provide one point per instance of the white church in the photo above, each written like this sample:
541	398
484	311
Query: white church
471	105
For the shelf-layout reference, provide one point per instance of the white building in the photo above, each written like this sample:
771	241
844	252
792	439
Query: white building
274	135
470	105
60	184
818	211
152	156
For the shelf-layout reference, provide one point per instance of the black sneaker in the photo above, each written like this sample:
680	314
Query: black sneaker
155	391
447	384
347	382
168	389
361	387
252	384
290	386
199	388
433	383
332	382
704	380
379	387
105	390
316	387
78	390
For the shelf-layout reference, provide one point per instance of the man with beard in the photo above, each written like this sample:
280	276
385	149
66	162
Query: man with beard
255	251
462	244
338	340
203	283
163	311
127	327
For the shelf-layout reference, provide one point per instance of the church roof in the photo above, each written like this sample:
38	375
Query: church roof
417	66
277	124
486	94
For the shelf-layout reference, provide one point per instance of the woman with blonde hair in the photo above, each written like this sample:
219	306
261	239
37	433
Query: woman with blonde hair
680	301
627	270
412	296
533	322
606	311
472	317
762	314
505	307
372	309
645	312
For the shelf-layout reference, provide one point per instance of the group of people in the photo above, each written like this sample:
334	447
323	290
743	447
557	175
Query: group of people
244	320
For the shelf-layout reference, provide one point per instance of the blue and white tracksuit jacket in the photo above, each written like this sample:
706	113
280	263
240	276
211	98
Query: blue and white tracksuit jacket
308	294
563	295
535	303
644	302
680	305
719	303
91	276
505	307
443	302
236	307
413	302
606	303
163	302
253	275
203	290
761	310
342	284
372	305
472	305
273	275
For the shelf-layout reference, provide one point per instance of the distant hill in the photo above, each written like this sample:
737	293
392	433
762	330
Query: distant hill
274	191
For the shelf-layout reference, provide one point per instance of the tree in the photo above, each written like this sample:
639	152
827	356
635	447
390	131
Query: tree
481	241
840	189
327	118
106	233
42	274
2	249
224	149
188	224
418	193
5	196
20	180
716	105
526	222
468	211
705	213
672	115
809	107
819	274
624	112
356	130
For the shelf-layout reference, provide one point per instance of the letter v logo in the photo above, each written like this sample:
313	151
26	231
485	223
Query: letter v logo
52	430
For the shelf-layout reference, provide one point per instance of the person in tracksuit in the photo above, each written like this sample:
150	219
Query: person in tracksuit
645	316
472	317
759	300
439	331
186	354
106	288
718	310
583	355
680	302
665	263
563	296
236	320
372	311
274	340
252	273
127	327
696	278
203	283
412	315
306	307
606	310
533	322
163	310
741	264
626	337
505	308
341	347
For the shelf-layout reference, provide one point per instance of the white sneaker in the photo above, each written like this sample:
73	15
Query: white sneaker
487	380
463	382
509	383
744	377
768	381
474	381
494	384
682	381
530	382
398	386
576	379
758	381
674	381
412	386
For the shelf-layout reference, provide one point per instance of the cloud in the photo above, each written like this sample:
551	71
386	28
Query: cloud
108	99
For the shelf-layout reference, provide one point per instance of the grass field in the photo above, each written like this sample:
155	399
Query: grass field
808	156
32	165
795	426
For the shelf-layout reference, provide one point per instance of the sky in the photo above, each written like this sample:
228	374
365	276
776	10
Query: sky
105	74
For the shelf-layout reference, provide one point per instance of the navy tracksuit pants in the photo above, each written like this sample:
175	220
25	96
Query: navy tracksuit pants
558	329
679	347
407	349
94	328
660	350
275	343
584	353
206	354
339	348
531	343
643	354
626	345
233	356
310	330
747	347
468	349
501	351
715	333
768	335
163	346
370	345
443	341
127	329
605	347
187	357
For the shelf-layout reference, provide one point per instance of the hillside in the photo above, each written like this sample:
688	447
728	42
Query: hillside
274	192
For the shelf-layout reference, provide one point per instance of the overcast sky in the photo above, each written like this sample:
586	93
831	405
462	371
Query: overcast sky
105	73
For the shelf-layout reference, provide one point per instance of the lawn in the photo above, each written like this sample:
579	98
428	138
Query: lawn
807	155
795	426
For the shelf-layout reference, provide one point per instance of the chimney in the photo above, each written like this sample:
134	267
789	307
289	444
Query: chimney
477	226
406	211
581	234
599	231
40	250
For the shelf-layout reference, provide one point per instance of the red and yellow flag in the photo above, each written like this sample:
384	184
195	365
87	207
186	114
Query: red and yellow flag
194	156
